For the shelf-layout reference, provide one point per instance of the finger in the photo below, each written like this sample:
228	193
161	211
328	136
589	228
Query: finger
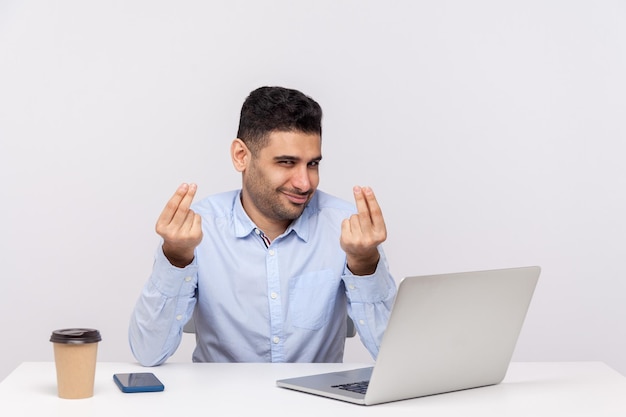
375	212
195	222
177	208
346	230
182	211
347	234
361	205
172	205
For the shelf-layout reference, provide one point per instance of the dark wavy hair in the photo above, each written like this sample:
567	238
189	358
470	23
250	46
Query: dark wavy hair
270	109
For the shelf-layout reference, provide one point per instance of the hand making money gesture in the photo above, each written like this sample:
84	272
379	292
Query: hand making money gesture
180	227
363	232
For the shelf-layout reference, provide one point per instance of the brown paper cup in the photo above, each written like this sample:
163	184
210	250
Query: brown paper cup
75	354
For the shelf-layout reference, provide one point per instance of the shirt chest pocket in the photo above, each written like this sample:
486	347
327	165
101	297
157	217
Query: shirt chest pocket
312	297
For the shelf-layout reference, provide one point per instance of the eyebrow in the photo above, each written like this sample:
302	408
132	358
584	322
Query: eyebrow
295	158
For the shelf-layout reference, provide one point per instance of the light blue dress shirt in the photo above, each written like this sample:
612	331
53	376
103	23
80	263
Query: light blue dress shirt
286	302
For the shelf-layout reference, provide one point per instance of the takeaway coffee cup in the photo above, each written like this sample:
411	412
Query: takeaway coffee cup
75	352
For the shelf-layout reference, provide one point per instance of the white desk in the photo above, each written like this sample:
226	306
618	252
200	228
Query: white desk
589	389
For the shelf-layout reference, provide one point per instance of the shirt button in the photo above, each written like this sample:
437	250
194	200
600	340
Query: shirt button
271	252
276	339
187	279
179	317
351	286
274	295
361	321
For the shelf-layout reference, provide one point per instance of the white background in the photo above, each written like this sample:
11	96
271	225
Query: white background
492	132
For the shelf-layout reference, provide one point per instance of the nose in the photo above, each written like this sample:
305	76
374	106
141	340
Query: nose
301	179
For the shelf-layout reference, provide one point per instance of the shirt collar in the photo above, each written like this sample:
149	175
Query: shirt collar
301	226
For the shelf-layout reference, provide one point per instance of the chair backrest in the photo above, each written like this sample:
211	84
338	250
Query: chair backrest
190	327
351	331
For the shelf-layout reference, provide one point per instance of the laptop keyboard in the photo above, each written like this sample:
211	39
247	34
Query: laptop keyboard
359	387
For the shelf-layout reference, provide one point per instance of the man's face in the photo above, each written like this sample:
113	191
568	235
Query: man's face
281	178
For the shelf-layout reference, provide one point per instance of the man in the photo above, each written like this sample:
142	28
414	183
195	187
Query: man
270	271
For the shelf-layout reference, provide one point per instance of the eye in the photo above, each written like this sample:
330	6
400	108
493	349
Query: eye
314	164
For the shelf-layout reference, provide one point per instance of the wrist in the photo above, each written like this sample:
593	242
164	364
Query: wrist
178	258
363	265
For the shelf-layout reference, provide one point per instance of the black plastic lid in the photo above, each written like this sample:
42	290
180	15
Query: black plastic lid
75	336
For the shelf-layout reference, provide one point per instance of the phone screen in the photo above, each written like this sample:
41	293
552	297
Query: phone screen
138	382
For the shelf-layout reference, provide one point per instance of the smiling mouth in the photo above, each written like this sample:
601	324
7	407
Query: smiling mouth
297	198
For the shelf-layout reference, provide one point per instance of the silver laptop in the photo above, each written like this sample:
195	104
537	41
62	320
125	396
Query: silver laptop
446	333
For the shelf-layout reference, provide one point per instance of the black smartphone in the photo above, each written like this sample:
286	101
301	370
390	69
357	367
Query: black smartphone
138	382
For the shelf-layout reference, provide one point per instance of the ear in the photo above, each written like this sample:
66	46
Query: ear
240	155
